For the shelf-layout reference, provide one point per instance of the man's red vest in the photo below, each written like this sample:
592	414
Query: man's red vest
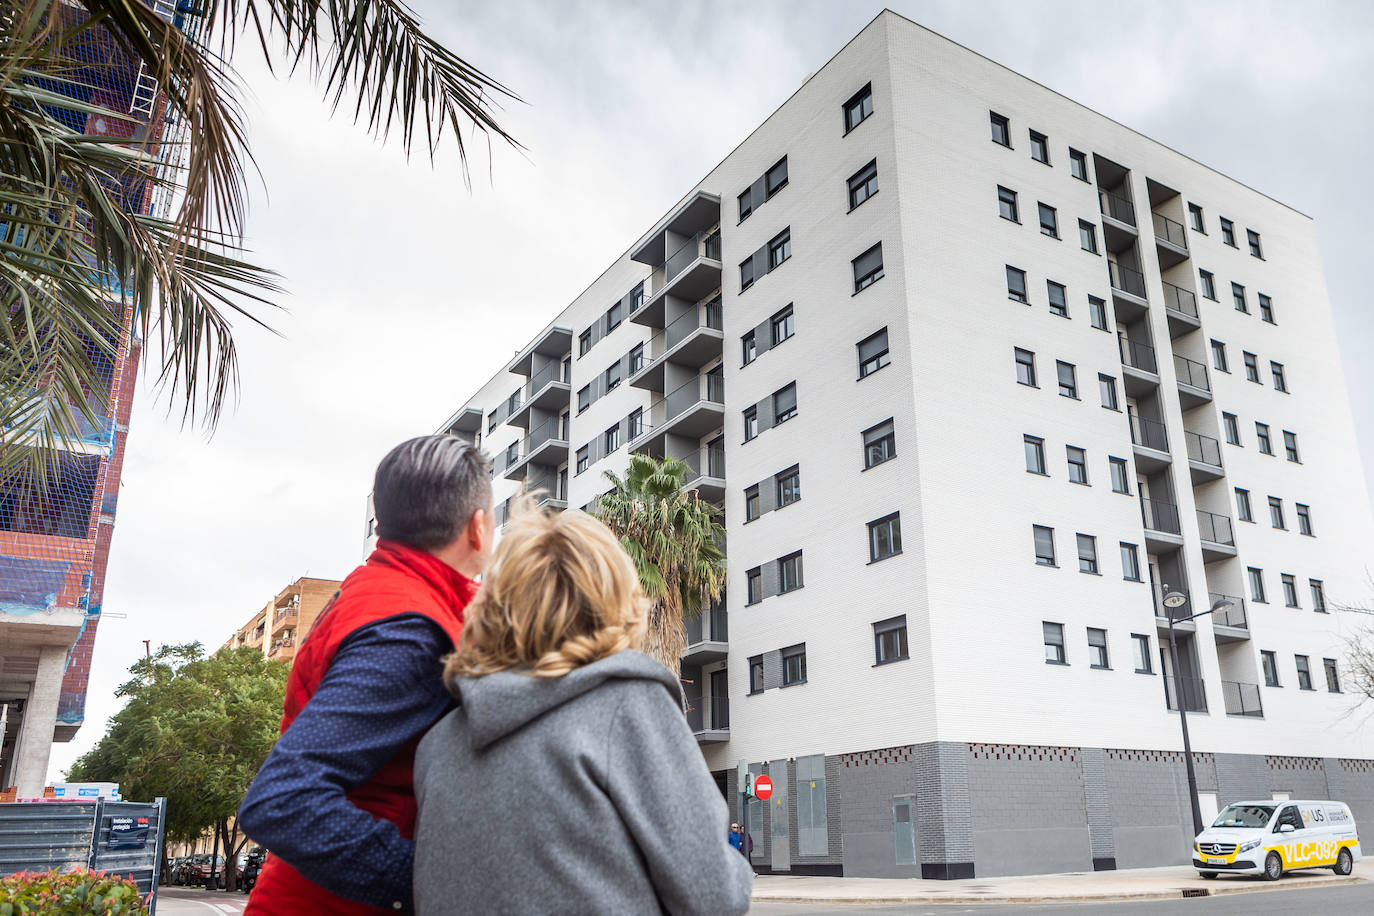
396	579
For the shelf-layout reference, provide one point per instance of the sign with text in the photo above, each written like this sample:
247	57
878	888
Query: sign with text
127	833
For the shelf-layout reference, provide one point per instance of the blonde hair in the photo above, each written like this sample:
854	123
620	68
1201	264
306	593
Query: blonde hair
560	593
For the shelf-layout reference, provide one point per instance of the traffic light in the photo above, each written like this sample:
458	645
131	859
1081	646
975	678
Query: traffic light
749	785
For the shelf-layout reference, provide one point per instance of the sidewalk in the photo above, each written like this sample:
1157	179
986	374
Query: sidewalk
1169	883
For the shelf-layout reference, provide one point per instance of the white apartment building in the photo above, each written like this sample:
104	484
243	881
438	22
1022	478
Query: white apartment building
977	374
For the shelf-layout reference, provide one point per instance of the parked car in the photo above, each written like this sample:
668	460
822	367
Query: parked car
1268	838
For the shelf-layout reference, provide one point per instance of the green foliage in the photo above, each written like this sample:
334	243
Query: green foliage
80	891
194	729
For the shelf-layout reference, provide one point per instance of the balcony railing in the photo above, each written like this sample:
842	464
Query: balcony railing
553	372
1149	433
1191	372
1215	529
548	484
711	625
284	612
1191	690
550	429
1116	206
1137	355
1242	699
1126	279
701	245
1170	231
707	315
1178	299
702	388
1233	616
1160	515
1202	448
706	714
708	461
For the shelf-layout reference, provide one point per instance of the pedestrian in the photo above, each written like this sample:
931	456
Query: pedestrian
567	778
335	799
736	840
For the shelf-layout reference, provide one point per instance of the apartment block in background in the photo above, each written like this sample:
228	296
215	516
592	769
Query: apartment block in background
284	621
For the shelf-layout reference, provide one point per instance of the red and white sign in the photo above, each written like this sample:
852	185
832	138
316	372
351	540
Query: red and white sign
763	788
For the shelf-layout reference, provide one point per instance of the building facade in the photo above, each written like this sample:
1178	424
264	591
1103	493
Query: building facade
978	376
284	621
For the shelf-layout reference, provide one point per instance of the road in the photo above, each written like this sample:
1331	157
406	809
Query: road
185	901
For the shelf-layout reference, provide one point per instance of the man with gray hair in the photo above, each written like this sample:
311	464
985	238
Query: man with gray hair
335	801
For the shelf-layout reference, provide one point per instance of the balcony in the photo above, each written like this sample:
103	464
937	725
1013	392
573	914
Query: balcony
553	492
706	472
1140	371
549	389
1190	690
708	637
1204	456
1218	536
546	445
1230	623
281	647
1180	308
709	719
692	340
1128	291
465	424
283	619
1171	241
1163	532
1194	389
691	410
691	272
555	343
1242	699
1151	442
1118	220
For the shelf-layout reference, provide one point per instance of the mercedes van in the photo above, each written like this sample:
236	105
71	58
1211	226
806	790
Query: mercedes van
1270	837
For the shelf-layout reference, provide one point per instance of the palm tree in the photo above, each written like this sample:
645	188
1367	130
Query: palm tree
676	541
85	261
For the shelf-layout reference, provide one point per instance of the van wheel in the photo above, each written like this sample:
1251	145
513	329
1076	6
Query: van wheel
1273	867
1345	863
1209	875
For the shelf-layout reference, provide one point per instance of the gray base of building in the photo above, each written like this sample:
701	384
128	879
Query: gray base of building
947	810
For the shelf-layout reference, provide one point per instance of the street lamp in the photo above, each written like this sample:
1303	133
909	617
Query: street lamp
1176	600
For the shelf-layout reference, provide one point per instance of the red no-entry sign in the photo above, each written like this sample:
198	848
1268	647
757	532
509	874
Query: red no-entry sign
763	788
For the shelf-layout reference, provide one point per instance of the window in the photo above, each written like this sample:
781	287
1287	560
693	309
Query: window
612	376
584	343
637	298
1140	646
1087	554
1097	648
612	438
1059	302
582	459
1318	596
1333	680
1078	464
1262	434
754	585
1097	313
1025	367
1266	308
1087	235
756	674
1044	545
1276	370
784	404
584	398
746	274
751	503
1271	668
1219	356
1016	284
1253	238
1243	505
1195	217
1001	129
1304	672
884	538
635	424
1290	446
1130	562
1078	164
746	204
863	184
1290	590
1229	421
1106	386
1054	643
1228	232
751	423
750	347
513	402
780	249
493	420
868	268
790	573
1068	381
1304	519
794	665
1251	366
1040	147
788	485
512	453
1256	577
1049	221
858	108
783	325
613	318
775	179
873	353
880	444
1209	285
1276	512
1035	454
1238	297
636	358
889	640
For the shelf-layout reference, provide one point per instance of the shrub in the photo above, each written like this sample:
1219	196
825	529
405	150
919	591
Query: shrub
54	893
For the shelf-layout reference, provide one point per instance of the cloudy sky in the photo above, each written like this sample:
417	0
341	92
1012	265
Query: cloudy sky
408	291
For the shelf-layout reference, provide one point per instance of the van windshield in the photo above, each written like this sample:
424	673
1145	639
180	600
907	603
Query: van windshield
1244	816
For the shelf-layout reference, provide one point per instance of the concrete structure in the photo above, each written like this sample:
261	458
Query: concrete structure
978	375
285	620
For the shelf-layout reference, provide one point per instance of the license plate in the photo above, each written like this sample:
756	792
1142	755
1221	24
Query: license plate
1211	861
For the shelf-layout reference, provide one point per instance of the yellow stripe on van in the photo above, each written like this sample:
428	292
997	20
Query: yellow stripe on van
1313	853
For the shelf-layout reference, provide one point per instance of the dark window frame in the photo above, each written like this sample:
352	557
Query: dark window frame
861	181
856	103
886	443
893	523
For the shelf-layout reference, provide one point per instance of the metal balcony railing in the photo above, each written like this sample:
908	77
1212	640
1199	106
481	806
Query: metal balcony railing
702	388
1149	433
548	484
1242	699
1160	515
701	245
1191	690
1233	616
708	713
1178	299
1170	231
550	429
1137	355
1215	529
1203	448
553	372
1116	206
1191	372
1126	279
705	315
711	625
708	461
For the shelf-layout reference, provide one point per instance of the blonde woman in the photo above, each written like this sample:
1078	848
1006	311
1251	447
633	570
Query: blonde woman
567	780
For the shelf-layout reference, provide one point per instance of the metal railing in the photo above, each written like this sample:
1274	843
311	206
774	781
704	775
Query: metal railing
702	388
707	461
551	373
548	484
711	625
1233	616
701	245
283	612
1149	433
1170	231
1202	448
550	430
1191	690
1126	279
1242	699
1137	355
1160	515
706	315
1191	372
1178	299
708	713
1116	206
1215	529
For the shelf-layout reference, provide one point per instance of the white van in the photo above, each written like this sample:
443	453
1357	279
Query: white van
1270	837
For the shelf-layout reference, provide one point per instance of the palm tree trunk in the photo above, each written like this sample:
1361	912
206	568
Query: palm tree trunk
666	637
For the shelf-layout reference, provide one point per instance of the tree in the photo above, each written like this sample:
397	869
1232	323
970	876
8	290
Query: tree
195	730
1359	649
676	541
82	257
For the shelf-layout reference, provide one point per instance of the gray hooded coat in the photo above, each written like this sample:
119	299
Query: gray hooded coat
579	794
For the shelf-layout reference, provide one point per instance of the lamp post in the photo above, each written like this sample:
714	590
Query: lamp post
1174	600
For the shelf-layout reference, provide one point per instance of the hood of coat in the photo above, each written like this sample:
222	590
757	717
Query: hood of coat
498	704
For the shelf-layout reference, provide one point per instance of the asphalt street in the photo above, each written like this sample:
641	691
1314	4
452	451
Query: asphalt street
185	901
